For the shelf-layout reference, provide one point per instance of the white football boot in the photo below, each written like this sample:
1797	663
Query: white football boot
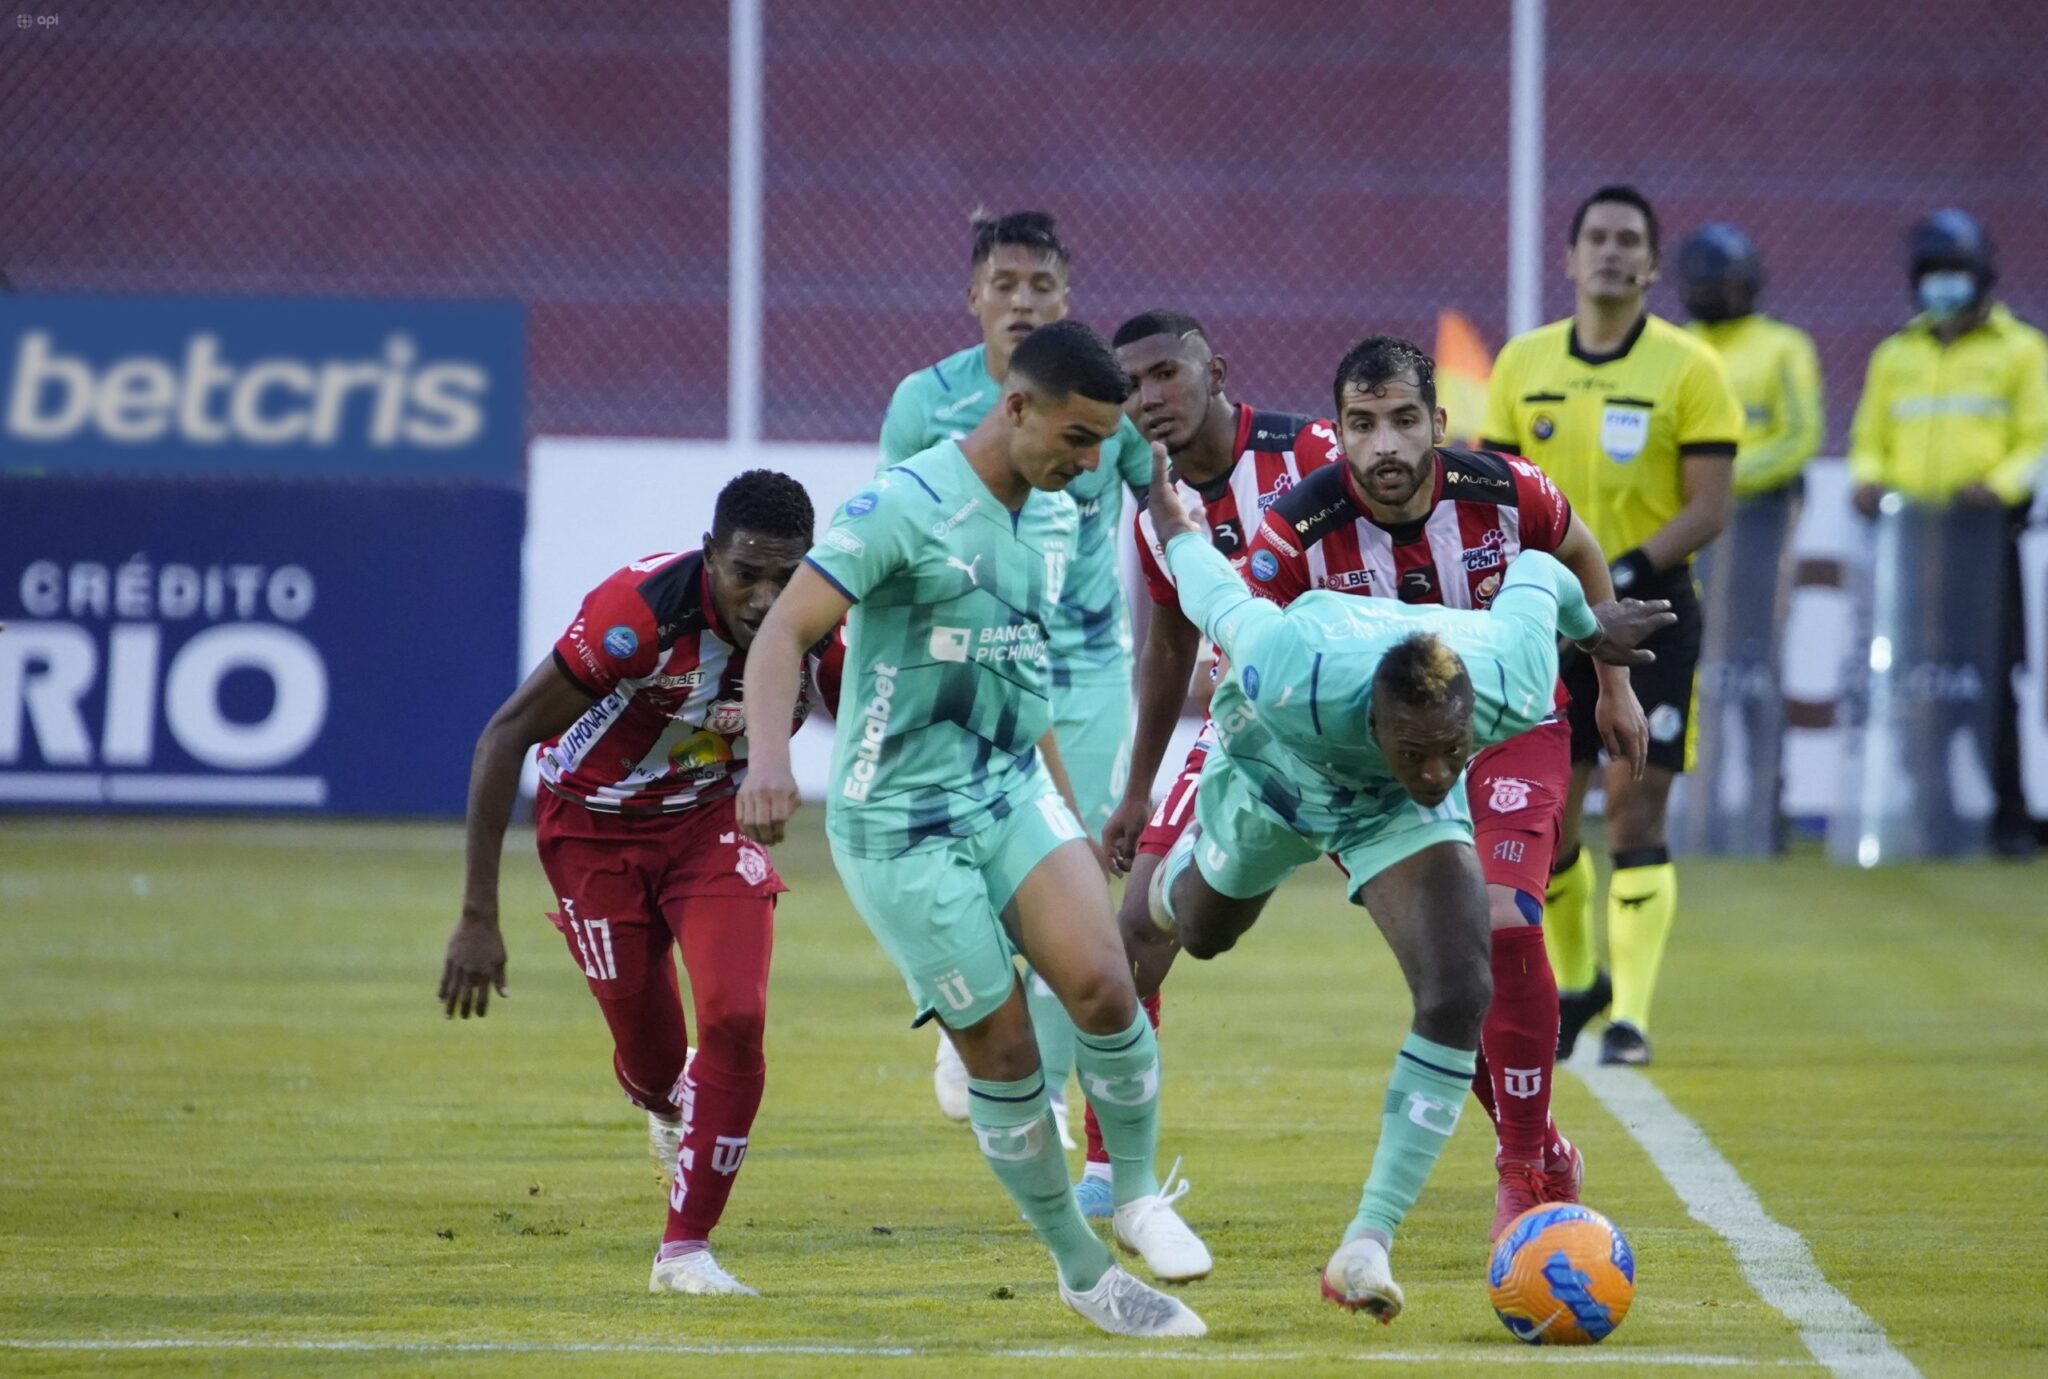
1058	1104
696	1273
1151	1228
665	1136
949	1080
1123	1306
1359	1278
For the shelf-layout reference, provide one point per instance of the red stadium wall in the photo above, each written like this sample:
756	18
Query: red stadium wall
1294	174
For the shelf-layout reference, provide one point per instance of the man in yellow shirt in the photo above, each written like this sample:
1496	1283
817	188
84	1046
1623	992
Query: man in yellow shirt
1955	411
1635	421
1771	365
1748	581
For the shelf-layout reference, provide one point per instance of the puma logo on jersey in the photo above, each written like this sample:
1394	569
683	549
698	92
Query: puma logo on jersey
966	567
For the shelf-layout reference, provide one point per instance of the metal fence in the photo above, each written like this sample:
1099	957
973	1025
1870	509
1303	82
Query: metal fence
1295	174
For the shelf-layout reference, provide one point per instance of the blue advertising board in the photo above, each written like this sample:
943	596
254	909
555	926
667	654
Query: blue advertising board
252	644
261	385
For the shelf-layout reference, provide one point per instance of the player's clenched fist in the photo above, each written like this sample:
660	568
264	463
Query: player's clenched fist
766	799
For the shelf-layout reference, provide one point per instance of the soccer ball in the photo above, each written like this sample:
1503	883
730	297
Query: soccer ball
1561	1275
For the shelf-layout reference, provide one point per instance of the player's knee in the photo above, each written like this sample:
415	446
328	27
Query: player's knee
1101	1001
1635	815
1205	941
1451	1007
732	1036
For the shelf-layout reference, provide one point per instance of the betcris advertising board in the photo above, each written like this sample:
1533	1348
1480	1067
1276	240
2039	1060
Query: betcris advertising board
255	553
260	385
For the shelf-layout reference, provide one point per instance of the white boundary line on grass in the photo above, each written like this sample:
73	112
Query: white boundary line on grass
1773	1257
1494	1355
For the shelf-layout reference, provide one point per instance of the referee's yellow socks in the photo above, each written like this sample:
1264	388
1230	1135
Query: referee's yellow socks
1568	922
1642	900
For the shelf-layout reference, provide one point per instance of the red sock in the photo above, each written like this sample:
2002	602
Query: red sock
1519	1040
718	1112
726	945
1096	1153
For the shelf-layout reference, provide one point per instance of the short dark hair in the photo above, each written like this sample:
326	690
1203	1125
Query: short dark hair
1033	230
1148	323
1422	672
1619	194
1068	357
1380	359
764	502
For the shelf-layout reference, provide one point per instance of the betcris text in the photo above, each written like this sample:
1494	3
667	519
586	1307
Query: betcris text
273	386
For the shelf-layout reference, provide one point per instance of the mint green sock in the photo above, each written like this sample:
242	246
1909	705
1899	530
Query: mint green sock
1016	1134
1120	1074
1424	1096
1054	1032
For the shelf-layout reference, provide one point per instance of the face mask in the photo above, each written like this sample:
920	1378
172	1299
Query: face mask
1947	294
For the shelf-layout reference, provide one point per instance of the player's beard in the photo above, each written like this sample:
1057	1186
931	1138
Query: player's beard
1411	478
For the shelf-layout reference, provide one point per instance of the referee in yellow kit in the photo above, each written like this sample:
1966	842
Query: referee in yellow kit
1633	418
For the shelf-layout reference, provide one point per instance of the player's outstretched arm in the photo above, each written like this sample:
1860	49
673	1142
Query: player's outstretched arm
1165	665
1211	594
1618	714
804	612
543	707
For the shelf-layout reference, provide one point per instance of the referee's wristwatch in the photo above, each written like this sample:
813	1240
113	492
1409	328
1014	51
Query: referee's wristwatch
1631	571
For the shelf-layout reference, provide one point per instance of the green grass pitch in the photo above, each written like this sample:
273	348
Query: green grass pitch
231	1115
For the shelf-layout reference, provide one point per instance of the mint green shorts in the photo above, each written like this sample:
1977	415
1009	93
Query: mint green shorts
1246	849
938	911
1092	724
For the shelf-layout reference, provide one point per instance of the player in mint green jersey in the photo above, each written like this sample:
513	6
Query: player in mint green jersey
1343	727
1017	281
944	816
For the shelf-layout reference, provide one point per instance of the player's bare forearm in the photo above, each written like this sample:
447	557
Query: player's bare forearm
544	706
806	610
808	607
1709	496
493	785
1165	666
1580	553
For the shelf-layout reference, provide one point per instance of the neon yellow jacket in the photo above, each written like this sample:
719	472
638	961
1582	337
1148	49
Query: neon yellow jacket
1934	419
1776	375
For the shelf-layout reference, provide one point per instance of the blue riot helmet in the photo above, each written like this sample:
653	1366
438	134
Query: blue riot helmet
1719	272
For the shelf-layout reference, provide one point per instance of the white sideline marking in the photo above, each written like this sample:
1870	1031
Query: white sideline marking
1499	1355
1773	1257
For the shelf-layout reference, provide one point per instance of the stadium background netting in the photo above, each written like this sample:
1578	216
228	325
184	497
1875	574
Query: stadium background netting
1294	174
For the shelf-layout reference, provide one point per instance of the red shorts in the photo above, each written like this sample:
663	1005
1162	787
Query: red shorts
620	880
1517	791
1178	807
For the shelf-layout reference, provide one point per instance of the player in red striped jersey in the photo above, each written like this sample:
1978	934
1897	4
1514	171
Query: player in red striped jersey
1235	460
1393	513
643	744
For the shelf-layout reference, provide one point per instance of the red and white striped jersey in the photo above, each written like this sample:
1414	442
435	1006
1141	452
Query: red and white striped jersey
1272	457
668	728
1488	508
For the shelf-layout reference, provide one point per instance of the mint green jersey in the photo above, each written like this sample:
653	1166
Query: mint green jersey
1293	711
948	677
1091	628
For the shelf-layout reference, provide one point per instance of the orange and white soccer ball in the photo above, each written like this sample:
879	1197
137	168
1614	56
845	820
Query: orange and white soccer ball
1561	1274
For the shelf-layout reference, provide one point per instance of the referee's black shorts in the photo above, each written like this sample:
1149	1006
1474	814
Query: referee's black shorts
1665	688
